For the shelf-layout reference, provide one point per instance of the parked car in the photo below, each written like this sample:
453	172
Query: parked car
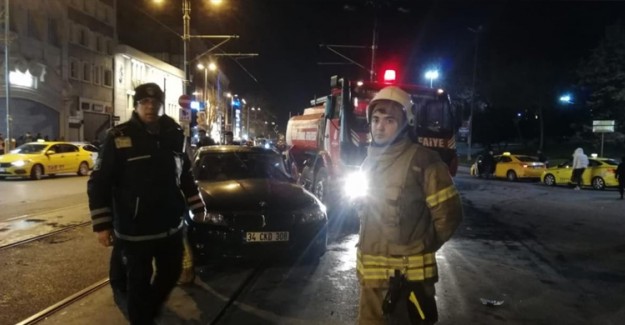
89	147
40	158
255	209
513	167
601	173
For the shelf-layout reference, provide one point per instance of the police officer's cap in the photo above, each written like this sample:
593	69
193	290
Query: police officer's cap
148	90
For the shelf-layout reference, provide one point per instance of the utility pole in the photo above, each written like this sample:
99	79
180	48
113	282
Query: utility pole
186	37
374	45
470	137
7	82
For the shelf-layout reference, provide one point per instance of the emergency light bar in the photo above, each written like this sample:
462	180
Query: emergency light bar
390	76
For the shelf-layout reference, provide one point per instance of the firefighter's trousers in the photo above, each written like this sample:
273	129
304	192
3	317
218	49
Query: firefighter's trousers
406	312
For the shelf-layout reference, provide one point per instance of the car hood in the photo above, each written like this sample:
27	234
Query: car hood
250	194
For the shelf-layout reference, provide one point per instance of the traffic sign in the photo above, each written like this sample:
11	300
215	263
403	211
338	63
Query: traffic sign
185	101
185	115
603	126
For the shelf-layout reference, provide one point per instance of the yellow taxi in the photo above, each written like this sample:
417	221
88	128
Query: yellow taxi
513	167
601	173
36	159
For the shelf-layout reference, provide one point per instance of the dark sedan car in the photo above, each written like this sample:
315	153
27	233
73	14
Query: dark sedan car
255	209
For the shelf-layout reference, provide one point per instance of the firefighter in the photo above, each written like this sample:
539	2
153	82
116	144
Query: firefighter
413	209
139	190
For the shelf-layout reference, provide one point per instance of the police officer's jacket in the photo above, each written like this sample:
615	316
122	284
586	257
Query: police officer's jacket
412	208
142	184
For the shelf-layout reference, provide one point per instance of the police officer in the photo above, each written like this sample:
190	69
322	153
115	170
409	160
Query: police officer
140	188
410	212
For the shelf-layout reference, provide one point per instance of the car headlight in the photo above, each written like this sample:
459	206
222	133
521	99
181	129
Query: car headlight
211	218
355	185
311	214
20	163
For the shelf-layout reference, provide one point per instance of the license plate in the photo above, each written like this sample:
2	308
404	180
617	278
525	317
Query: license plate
267	236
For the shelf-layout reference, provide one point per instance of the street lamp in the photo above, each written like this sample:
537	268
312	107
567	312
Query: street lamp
431	74
566	99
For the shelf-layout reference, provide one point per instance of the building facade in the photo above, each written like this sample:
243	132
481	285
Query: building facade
132	68
61	68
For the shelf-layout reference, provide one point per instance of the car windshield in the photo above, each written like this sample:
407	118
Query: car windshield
610	162
526	159
30	148
222	166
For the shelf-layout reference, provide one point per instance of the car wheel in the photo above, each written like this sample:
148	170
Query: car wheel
511	175
318	246
598	183
305	178
36	172
550	180
83	169
320	187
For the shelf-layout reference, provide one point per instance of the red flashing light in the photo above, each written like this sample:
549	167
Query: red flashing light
390	76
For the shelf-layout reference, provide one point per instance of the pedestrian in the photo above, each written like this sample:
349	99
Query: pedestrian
487	166
580	162
620	175
229	139
204	140
1	144
412	210
137	205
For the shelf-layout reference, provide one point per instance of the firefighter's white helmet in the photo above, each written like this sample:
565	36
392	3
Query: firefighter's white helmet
395	94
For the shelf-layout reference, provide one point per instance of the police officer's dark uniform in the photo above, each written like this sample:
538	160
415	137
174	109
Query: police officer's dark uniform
141	187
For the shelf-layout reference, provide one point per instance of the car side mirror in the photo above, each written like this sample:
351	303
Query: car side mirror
50	152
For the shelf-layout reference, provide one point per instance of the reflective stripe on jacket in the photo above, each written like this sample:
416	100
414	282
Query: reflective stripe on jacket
415	268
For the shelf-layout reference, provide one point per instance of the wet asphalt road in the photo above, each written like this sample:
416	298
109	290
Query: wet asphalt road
550	255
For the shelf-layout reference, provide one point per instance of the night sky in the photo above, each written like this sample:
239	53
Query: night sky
413	36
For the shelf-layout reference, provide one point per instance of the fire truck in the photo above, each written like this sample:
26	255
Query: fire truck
328	142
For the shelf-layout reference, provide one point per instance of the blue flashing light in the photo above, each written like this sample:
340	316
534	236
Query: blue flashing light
195	105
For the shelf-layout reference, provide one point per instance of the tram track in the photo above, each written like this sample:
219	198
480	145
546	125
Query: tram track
244	285
43	236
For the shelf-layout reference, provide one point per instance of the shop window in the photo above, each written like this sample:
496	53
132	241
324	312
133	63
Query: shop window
85	106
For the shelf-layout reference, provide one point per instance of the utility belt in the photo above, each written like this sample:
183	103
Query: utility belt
160	235
409	302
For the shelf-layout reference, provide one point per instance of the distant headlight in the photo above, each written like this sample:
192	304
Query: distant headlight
356	185
20	163
211	218
310	214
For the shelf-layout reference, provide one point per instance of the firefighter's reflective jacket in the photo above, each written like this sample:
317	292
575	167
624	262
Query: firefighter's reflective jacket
142	185
412	208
